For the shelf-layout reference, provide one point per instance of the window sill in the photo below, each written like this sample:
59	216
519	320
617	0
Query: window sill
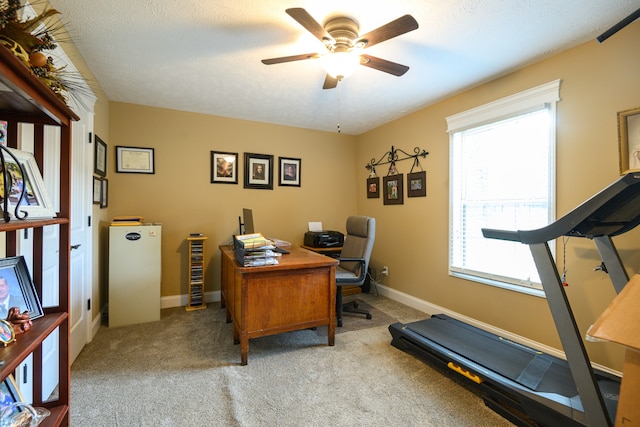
498	284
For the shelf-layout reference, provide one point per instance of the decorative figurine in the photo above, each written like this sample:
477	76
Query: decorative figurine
21	322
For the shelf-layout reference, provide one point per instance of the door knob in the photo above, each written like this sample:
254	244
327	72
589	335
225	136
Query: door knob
75	246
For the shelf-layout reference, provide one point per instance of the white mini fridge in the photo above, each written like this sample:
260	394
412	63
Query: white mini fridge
134	274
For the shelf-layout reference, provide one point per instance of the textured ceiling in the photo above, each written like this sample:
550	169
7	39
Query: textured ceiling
204	55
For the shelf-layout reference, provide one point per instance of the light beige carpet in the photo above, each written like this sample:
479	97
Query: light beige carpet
184	370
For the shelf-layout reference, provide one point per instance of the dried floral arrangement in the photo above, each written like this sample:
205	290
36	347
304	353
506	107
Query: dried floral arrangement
27	42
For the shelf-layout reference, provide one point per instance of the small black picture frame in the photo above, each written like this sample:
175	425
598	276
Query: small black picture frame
104	193
392	189
100	157
373	187
97	190
258	171
290	170
417	184
17	288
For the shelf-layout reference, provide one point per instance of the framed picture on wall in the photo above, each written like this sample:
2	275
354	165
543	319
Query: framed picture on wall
258	171
417	184
104	193
629	140
373	187
135	160
97	190
224	167
392	188
289	171
100	157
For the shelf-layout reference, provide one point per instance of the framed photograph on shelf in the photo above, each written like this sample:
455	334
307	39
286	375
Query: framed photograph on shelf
7	336
224	167
97	190
629	140
417	184
36	202
258	171
392	189
373	187
104	193
9	392
289	171
3	132
17	288
100	157
135	160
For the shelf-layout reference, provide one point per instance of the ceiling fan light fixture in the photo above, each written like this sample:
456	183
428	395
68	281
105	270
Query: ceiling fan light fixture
340	65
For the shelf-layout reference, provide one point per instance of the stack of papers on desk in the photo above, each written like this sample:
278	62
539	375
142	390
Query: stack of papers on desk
257	250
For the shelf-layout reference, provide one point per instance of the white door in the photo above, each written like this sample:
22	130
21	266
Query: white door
81	239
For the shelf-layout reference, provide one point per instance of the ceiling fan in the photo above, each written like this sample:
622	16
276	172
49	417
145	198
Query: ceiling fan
344	45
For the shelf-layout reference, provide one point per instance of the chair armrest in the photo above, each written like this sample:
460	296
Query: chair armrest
363	272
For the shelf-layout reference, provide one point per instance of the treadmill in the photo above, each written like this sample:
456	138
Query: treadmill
522	384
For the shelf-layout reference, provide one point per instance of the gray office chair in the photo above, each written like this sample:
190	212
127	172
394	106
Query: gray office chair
354	261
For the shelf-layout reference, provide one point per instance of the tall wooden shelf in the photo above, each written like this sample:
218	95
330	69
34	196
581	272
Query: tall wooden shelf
25	99
196	273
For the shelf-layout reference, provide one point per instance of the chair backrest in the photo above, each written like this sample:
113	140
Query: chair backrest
358	243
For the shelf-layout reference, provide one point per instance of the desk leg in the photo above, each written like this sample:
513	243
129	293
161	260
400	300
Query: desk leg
244	350
332	333
228	315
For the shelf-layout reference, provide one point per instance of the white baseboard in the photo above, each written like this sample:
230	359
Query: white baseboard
96	323
182	300
430	309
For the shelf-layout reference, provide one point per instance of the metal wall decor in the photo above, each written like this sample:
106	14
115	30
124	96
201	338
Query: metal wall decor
392	185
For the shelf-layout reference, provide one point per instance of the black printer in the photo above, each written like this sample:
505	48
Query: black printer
323	239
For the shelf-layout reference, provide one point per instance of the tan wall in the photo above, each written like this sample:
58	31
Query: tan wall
412	239
598	80
181	197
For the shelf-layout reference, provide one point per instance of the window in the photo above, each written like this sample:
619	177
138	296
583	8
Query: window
503	177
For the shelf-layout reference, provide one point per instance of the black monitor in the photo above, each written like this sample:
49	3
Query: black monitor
246	222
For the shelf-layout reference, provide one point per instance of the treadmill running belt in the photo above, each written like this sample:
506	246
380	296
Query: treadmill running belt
533	369
534	372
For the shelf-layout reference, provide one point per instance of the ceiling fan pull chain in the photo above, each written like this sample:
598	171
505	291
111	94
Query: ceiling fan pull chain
339	107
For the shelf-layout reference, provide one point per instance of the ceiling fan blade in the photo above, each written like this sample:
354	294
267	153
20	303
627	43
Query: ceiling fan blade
400	26
383	65
282	59
330	82
303	18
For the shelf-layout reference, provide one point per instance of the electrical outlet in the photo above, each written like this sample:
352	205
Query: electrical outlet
385	271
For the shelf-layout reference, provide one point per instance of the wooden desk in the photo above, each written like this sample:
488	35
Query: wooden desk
298	293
